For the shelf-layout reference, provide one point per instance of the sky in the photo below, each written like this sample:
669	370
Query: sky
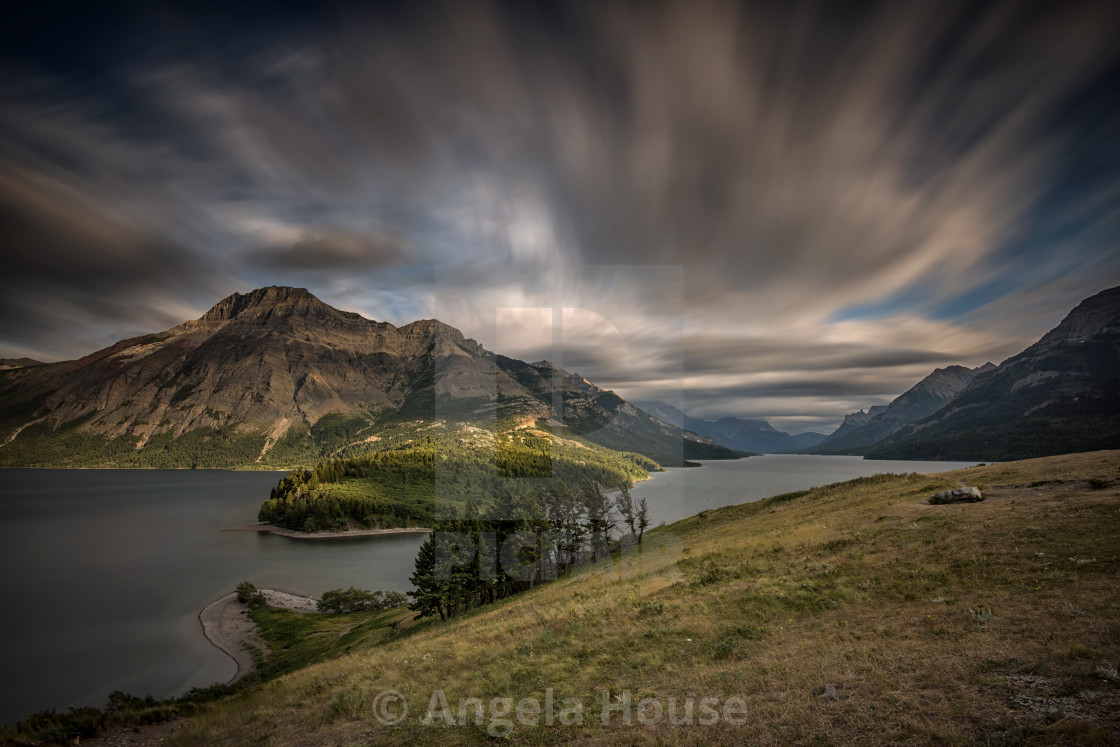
788	211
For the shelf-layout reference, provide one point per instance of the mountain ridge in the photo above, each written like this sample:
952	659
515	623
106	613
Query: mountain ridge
917	402
742	434
277	376
1059	395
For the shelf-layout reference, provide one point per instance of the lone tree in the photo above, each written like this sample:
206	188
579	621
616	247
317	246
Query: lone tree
643	518
636	517
598	519
624	504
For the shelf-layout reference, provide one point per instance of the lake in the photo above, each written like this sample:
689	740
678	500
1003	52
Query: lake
677	493
105	571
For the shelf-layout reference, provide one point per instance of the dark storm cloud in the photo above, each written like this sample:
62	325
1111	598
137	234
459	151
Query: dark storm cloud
800	162
73	266
55	233
326	251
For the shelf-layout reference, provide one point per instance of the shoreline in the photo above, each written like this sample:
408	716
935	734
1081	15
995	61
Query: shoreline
226	625
264	528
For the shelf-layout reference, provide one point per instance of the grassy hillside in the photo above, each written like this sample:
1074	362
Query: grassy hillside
987	623
993	622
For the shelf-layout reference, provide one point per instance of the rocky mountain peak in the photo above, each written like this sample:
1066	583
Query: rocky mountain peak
944	382
269	298
1094	315
424	328
249	381
1091	319
860	417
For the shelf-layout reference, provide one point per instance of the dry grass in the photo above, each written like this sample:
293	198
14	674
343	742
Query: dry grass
860	585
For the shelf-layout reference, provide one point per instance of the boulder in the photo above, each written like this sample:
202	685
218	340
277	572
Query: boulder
957	495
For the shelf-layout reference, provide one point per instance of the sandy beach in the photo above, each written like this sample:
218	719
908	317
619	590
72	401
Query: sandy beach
271	529
226	624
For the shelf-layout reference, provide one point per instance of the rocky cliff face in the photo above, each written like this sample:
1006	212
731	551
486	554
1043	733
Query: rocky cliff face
267	362
854	420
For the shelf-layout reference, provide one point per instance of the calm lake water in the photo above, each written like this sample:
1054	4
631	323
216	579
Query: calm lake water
677	493
105	571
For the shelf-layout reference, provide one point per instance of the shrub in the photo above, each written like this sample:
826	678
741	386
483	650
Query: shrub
348	706
981	615
749	632
393	599
713	574
725	649
250	596
360	600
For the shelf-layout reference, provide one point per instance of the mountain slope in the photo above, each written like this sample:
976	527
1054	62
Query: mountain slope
1060	395
855	420
277	377
737	433
921	400
6	363
605	418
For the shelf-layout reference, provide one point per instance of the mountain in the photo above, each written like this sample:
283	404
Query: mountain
6	363
277	377
856	434
1060	395
856	420
735	433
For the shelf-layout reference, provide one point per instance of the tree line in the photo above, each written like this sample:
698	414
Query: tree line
519	541
399	487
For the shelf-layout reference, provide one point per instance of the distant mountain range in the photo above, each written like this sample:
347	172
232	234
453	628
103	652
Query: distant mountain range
748	435
1060	395
277	377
